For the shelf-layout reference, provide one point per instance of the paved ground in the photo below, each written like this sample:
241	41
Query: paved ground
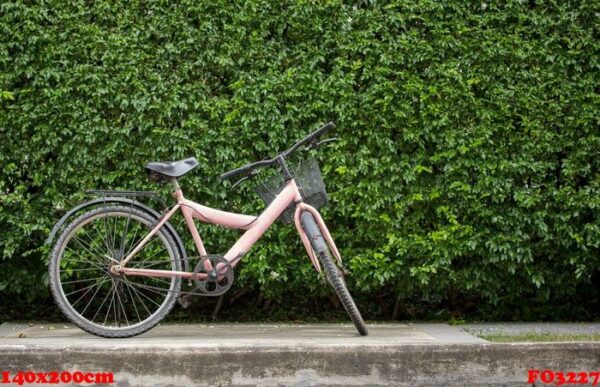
285	334
240	335
522	328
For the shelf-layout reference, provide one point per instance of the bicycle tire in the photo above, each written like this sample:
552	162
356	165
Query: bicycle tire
333	273
61	299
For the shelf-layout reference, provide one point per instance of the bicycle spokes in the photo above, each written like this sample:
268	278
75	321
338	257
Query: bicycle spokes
101	295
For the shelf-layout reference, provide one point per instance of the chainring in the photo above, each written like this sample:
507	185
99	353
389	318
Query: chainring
219	276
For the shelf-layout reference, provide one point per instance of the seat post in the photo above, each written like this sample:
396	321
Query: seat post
177	193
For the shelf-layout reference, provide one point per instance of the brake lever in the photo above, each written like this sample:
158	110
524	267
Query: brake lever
249	176
240	181
321	143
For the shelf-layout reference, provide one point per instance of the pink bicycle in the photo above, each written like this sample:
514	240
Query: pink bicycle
116	270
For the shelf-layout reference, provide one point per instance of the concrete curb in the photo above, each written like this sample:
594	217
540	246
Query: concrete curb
309	365
290	355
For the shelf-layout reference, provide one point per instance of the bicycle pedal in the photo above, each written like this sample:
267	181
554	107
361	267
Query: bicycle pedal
185	301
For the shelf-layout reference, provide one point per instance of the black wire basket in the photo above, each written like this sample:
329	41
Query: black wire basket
308	178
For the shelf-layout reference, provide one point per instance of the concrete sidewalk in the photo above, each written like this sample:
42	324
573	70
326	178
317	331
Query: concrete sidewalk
242	335
282	354
513	329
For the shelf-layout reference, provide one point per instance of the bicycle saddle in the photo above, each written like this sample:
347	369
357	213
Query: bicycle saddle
172	168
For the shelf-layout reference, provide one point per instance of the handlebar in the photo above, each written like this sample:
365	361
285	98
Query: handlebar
313	136
246	169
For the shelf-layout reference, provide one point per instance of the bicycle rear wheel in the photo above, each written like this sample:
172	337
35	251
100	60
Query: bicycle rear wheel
99	301
334	275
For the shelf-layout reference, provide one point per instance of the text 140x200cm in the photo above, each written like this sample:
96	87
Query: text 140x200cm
54	377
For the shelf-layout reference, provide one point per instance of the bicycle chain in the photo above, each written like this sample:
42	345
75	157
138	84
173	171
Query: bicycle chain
200	284
163	290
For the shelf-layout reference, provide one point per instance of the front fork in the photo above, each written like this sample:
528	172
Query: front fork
300	207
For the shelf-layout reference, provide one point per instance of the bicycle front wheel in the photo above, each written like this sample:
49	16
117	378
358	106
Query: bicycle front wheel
99	301
334	275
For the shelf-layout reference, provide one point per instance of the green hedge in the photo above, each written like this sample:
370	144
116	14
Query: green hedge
466	179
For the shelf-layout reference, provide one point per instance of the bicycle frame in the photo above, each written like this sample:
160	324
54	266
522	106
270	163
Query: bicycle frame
255	227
